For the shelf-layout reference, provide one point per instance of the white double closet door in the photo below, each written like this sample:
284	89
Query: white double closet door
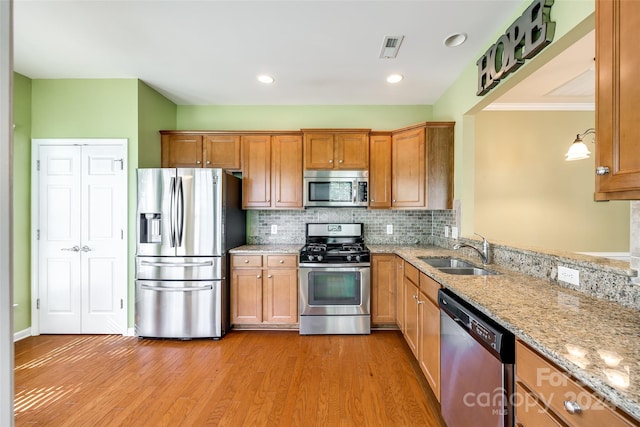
80	220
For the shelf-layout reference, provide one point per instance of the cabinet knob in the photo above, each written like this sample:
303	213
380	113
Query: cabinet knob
281	261
602	170
258	277
208	162
572	407
394	200
246	261
330	161
340	161
197	162
269	276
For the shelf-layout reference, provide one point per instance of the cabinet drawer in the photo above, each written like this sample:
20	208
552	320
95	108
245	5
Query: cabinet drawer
246	261
411	273
530	412
290	261
553	387
430	287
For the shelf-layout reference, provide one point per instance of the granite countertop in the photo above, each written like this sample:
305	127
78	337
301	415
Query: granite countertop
275	249
574	330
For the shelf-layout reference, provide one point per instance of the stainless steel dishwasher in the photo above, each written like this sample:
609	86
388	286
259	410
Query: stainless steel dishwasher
476	362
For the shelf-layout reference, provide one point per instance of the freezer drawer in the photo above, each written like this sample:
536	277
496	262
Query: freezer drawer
178	309
179	268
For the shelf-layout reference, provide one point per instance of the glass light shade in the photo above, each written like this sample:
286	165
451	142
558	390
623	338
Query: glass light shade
394	78
577	151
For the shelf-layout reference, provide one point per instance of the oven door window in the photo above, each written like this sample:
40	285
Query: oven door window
330	191
334	288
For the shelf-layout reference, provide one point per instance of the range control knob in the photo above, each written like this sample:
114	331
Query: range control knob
349	257
310	257
319	257
357	258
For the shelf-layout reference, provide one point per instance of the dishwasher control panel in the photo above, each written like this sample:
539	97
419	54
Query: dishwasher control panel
485	330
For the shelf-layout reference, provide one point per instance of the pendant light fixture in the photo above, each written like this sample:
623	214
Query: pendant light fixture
579	149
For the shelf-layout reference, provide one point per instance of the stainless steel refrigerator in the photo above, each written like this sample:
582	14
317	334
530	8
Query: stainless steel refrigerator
187	220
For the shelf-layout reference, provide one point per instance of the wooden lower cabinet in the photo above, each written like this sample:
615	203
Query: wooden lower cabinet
411	310
264	289
429	334
543	392
400	296
383	289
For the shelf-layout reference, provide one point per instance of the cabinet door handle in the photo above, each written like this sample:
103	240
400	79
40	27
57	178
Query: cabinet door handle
572	407
602	170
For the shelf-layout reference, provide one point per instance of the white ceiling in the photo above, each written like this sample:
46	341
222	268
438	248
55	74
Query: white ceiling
209	52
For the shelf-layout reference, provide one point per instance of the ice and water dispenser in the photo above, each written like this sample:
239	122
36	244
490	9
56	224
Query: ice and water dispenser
150	228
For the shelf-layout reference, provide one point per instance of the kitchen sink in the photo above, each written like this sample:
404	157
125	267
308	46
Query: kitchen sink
456	266
446	262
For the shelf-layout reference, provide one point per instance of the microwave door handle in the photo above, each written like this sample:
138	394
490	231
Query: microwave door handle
355	191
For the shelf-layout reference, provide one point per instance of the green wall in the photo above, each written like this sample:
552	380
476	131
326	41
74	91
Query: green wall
21	202
81	108
271	117
574	19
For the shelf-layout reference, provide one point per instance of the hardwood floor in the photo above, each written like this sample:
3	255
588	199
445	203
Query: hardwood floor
256	378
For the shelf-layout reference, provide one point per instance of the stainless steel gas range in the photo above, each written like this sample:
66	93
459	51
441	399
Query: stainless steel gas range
335	284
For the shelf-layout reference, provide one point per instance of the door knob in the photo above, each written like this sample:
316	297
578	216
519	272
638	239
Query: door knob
72	249
85	248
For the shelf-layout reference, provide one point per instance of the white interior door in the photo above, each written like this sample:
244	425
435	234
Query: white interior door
82	217
59	240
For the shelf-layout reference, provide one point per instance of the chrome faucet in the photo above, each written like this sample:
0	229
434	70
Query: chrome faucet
484	253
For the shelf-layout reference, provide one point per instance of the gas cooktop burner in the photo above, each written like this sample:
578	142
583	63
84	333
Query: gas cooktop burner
334	243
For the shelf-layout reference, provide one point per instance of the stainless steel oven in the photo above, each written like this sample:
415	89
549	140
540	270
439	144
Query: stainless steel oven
335	281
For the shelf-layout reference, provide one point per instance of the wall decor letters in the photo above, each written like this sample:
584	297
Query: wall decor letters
524	39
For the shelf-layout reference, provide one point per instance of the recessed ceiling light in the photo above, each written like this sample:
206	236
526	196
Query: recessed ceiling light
394	78
455	40
266	79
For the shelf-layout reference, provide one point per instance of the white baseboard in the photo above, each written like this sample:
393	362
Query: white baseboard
20	335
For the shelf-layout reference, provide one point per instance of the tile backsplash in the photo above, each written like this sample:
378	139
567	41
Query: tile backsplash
410	227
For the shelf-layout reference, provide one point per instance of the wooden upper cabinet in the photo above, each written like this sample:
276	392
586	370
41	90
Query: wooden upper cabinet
336	150
272	171
422	166
181	151
222	151
439	144
408	168
380	170
286	171
256	171
617	94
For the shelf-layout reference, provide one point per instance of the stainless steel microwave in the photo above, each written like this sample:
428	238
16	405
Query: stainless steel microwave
336	188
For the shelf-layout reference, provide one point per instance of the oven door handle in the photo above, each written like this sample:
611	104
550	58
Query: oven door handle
347	266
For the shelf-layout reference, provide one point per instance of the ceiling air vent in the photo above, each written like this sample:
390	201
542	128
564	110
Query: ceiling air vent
390	46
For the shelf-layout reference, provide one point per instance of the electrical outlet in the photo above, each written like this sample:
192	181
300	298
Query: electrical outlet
454	232
274	229
446	231
569	275
389	228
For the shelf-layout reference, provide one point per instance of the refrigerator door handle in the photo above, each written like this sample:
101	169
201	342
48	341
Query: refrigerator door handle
180	220
175	289
174	264
172	220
